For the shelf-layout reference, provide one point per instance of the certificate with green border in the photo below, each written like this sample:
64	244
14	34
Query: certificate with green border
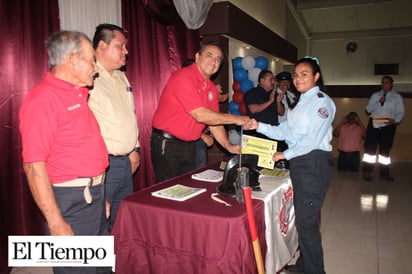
265	149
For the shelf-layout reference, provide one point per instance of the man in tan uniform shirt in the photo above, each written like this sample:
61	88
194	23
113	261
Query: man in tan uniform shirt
112	102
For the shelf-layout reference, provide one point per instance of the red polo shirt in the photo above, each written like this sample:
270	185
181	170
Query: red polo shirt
185	91
57	127
350	137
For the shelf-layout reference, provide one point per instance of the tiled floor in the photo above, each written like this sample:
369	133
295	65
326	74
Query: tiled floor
365	225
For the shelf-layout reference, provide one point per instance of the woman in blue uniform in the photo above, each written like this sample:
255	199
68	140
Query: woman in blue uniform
308	133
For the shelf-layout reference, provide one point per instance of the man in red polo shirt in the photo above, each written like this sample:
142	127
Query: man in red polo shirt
189	102
64	155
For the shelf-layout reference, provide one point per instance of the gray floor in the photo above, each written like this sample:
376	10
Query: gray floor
365	225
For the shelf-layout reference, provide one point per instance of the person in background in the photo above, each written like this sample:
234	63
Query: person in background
386	111
285	90
189	102
112	102
351	132
289	100
308	133
262	103
64	155
206	140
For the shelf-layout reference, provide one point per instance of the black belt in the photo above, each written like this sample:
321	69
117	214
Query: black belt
125	155
165	134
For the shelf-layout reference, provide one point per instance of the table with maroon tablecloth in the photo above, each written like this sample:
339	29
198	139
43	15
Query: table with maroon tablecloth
199	235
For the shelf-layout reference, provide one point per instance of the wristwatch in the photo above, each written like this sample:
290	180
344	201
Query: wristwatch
137	149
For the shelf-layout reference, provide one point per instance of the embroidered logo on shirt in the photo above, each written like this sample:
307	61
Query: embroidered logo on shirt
73	107
323	113
210	96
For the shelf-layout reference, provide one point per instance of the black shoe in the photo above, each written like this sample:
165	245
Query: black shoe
387	178
367	177
293	269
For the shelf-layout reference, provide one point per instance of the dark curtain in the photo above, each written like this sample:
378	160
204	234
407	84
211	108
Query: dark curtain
158	44
25	25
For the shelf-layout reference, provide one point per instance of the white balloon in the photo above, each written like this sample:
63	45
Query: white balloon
234	137
248	62
253	74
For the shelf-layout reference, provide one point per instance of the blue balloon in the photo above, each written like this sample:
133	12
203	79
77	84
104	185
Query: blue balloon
246	85
233	106
237	63
240	74
261	62
236	112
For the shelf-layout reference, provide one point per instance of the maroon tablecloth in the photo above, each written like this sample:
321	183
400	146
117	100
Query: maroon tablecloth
155	235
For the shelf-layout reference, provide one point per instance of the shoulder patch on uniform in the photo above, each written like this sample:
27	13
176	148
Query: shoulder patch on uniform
323	112
320	95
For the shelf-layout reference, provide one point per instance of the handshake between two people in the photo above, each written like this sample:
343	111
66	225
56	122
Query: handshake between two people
251	125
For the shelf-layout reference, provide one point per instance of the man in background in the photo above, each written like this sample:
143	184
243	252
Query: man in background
289	100
112	102
262	103
386	110
285	90
64	155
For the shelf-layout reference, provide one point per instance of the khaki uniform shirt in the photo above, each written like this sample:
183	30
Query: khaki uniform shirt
112	102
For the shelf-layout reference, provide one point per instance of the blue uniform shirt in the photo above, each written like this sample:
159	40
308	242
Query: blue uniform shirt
392	108
308	127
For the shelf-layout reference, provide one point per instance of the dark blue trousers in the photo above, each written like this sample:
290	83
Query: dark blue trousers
119	184
310	175
201	154
85	219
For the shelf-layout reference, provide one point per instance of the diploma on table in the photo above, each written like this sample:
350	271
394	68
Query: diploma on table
265	149
178	192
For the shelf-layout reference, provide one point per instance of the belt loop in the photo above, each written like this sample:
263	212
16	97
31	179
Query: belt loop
86	192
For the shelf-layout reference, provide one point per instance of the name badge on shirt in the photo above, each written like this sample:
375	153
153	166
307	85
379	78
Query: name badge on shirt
129	89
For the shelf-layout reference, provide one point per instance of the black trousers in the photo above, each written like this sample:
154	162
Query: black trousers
378	140
171	157
310	175
349	161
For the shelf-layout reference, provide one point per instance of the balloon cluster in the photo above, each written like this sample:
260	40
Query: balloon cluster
246	76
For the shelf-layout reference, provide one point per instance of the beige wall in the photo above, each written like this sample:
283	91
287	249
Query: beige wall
342	68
